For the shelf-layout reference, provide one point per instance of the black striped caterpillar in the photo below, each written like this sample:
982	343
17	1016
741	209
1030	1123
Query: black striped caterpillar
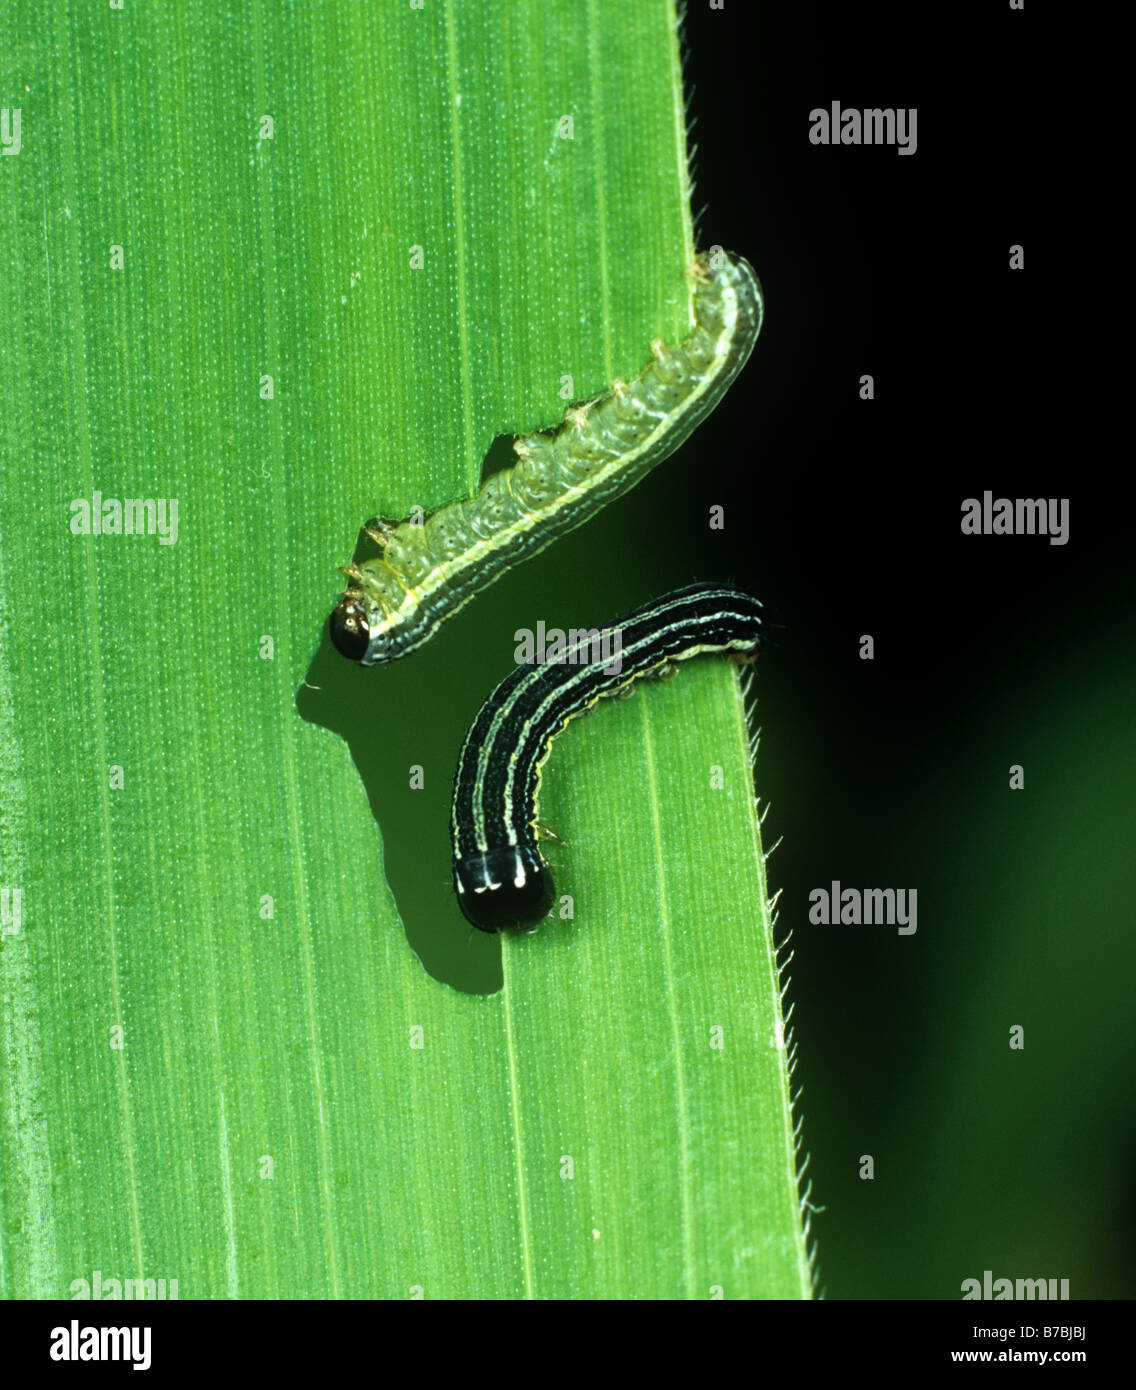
430	570
499	874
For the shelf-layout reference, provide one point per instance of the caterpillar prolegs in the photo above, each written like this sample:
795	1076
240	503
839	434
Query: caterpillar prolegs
428	571
499	874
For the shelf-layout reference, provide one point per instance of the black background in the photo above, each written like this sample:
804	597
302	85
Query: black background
882	772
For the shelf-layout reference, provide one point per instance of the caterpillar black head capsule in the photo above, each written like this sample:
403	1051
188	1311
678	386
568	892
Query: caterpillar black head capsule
503	888
350	627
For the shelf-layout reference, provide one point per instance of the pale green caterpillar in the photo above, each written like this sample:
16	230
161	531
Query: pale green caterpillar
428	571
